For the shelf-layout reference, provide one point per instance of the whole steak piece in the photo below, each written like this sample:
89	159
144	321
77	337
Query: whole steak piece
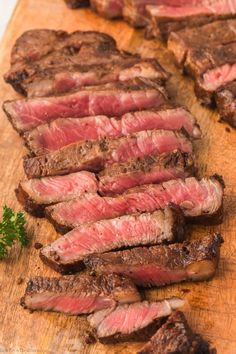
76	295
194	260
176	336
134	322
67	252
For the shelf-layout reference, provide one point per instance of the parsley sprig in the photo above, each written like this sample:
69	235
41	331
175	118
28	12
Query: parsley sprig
12	228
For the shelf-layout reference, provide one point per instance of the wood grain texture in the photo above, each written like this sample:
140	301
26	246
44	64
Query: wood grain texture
211	305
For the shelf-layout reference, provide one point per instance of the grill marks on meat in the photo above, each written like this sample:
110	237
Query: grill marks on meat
75	295
113	99
37	51
176	336
35	194
135	322
201	201
194	260
108	8
66	254
119	177
95	155
226	103
65	131
132	322
167	19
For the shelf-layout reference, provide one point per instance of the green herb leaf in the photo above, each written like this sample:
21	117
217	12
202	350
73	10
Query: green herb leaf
12	228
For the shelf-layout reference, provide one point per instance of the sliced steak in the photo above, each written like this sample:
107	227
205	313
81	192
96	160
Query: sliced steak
75	4
135	10
201	201
181	43
119	177
35	194
167	19
108	8
62	80
113	99
64	131
135	322
75	295
194	260
37	51
226	103
176	336
66	254
95	155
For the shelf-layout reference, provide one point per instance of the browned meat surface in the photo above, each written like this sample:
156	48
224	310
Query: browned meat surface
176	337
226	103
75	295
135	322
74	4
194	260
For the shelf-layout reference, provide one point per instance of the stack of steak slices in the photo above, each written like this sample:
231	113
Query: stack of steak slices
110	164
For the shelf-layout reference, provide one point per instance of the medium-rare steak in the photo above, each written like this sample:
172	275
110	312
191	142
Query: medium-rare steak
108	8
181	43
35	193
119	177
37	51
113	99
135	322
194	260
95	155
64	131
75	295
135	10
167	19
226	103
66	254
75	4
201	201
176	337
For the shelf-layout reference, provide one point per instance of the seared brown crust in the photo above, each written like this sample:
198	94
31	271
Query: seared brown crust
175	337
179	226
29	205
109	285
176	160
37	50
172	257
140	335
226	103
75	4
55	264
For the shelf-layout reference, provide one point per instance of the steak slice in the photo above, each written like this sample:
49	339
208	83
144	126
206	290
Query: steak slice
119	177
35	194
218	33
75	4
66	254
75	295
37	51
167	19
134	322
226	103
194	260
176	336
108	8
64	131
201	201
135	10
120	67
95	155
113	99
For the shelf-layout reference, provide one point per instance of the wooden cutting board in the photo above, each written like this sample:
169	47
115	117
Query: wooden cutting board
211	306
